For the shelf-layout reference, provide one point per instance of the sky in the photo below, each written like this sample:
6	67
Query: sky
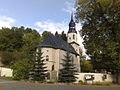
42	15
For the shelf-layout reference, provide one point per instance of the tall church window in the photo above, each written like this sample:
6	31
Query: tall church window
48	76
52	67
73	36
47	58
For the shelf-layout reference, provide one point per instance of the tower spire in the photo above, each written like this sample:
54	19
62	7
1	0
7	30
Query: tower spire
72	28
72	16
72	33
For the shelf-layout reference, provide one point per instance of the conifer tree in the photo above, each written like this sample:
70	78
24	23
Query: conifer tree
39	69
68	72
56	34
63	36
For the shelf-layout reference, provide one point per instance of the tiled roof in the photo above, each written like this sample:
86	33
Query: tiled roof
57	43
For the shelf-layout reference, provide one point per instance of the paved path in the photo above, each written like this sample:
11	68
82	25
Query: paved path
13	85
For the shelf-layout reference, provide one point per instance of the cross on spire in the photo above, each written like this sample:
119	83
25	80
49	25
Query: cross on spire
72	16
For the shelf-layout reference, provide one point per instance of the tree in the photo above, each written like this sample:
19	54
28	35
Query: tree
63	36
56	34
17	43
11	39
45	34
7	58
21	69
101	32
86	66
38	72
68	71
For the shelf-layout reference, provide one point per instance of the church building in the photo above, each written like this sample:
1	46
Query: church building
54	49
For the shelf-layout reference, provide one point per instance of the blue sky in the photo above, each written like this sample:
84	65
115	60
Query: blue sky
42	15
28	12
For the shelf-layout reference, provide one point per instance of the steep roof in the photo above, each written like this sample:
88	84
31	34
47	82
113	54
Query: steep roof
57	43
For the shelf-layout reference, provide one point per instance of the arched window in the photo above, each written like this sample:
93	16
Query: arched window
52	67
69	38
47	58
48	76
73	36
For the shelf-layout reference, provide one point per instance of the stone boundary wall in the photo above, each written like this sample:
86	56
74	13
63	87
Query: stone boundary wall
94	77
6	72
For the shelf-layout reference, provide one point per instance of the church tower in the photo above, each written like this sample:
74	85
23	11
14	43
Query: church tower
72	40
72	35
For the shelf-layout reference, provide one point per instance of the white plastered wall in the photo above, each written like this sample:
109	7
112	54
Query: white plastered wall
98	77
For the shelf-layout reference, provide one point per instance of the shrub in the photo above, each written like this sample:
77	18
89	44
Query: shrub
50	82
81	82
21	70
102	83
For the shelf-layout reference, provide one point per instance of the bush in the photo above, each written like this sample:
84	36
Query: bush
102	83
81	82
21	70
6	78
50	82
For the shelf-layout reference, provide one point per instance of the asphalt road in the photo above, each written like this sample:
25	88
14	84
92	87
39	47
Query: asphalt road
14	85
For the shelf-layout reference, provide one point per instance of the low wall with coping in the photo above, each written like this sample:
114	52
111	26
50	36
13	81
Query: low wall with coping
6	72
94	77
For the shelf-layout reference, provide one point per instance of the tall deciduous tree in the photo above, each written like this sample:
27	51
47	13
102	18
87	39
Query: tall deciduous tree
17	46
7	58
86	66
10	39
68	72
101	32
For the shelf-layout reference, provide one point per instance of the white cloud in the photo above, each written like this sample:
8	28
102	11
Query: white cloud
58	26
52	26
69	7
6	21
